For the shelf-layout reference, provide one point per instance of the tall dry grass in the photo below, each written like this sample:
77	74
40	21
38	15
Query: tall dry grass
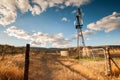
94	70
53	67
115	70
11	67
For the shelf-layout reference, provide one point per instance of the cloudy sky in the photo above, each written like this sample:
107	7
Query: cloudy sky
50	23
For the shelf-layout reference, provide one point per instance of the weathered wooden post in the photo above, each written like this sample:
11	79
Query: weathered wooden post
26	69
108	62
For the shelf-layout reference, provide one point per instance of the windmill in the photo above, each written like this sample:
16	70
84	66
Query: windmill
79	24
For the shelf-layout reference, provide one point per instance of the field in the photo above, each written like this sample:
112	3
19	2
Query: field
48	66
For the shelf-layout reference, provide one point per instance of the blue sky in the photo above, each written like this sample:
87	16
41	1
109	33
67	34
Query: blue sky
50	23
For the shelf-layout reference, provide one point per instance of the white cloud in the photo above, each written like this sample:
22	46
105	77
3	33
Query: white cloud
85	33
88	32
23	5
64	19
76	2
44	4
16	32
67	3
35	10
8	8
7	17
56	40
108	23
39	38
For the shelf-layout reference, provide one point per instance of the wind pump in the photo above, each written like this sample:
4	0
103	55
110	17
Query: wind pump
79	24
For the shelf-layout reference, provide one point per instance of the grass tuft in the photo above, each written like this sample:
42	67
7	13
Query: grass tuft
11	73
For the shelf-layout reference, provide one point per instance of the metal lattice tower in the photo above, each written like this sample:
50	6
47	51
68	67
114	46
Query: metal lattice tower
79	24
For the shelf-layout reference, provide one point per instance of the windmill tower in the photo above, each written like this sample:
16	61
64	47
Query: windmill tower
79	24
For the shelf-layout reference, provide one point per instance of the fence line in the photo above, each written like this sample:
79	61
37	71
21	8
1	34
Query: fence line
109	59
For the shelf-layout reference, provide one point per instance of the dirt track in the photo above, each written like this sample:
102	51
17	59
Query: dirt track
51	67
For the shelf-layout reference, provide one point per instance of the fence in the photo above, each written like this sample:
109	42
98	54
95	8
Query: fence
108	60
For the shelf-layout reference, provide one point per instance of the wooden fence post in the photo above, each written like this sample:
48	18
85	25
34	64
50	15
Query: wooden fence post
26	68
108	62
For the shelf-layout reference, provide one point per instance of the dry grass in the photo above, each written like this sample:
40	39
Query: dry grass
47	67
53	67
115	70
11	73
11	67
115	51
94	70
